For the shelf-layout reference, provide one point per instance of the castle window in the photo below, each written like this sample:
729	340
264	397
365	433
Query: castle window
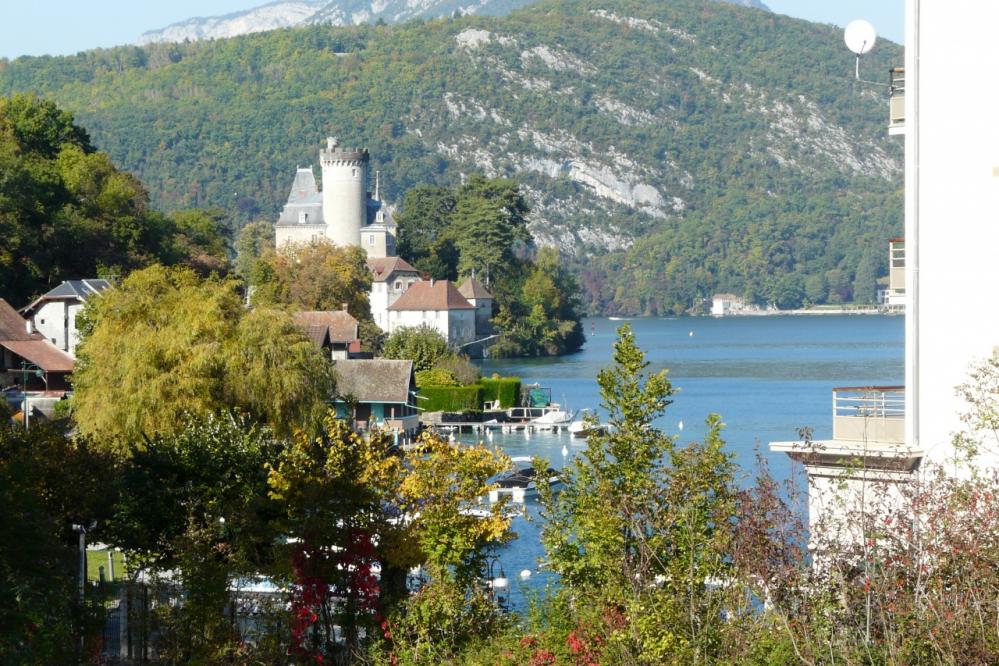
353	172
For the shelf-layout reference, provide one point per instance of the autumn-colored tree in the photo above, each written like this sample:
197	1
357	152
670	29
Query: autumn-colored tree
166	343
318	275
352	502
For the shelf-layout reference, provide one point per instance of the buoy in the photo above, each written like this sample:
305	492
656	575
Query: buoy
680	425
525	574
691	334
565	451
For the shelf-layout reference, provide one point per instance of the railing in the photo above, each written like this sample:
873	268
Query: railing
869	414
896	99
896	265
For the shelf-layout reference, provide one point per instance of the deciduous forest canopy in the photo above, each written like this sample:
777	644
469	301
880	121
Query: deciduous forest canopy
674	149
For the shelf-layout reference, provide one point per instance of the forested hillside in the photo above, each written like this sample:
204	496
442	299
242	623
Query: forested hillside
674	149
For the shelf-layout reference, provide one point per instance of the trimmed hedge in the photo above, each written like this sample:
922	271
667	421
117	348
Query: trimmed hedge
504	389
450	398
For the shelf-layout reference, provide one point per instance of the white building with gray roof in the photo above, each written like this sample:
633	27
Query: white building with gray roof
54	313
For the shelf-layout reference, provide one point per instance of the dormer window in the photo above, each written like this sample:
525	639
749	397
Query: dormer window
303	218
371	239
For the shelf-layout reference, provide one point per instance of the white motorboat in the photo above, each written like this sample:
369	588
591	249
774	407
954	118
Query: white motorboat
553	420
522	482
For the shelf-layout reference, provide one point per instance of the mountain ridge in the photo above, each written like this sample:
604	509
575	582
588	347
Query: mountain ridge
292	13
672	150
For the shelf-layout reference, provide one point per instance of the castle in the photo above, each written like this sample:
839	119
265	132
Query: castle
344	211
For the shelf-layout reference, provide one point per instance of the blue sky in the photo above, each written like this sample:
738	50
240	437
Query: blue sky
59	27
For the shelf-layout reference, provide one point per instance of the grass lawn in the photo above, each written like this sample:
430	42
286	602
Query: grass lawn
99	558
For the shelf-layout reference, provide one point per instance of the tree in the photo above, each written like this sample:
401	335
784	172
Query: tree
254	240
423	345
352	502
544	319
47	483
865	282
67	212
166	343
314	276
195	503
489	224
789	292
423	228
642	525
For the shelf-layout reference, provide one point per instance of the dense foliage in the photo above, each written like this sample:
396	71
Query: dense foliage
480	229
47	484
676	149
662	557
66	211
423	345
166	343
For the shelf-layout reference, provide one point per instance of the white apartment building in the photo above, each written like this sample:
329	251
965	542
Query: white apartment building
951	232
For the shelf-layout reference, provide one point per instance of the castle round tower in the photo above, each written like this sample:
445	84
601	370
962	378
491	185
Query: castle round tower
345	180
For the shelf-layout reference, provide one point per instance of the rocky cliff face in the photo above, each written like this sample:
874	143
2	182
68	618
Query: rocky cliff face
289	13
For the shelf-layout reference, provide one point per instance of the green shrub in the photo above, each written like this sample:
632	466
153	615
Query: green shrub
504	389
464	371
450	398
436	377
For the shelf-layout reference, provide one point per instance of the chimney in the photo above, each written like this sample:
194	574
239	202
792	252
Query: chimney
432	283
30	325
343	306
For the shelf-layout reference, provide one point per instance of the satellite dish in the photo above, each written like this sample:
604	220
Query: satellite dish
860	36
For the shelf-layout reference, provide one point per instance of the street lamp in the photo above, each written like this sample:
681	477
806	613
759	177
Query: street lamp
27	366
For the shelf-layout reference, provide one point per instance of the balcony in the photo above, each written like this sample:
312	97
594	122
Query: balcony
896	101
868	436
873	415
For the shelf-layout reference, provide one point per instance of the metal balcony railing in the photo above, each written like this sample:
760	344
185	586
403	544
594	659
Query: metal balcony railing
871	414
896	99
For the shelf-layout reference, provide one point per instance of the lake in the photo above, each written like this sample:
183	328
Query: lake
766	376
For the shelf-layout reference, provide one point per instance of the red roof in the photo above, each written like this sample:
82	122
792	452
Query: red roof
42	353
382	268
13	326
432	295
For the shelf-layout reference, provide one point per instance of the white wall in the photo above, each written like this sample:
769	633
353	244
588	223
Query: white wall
457	326
298	233
384	294
56	320
952	208
50	321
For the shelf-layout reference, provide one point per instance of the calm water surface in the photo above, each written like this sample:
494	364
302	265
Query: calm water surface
766	376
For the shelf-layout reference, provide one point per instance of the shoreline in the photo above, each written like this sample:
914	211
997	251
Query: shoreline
765	313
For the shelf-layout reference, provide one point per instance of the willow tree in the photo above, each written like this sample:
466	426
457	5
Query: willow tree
167	343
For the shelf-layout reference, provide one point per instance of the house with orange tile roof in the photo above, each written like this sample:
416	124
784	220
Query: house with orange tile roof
438	304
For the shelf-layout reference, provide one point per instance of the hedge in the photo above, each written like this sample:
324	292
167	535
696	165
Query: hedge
450	398
504	389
